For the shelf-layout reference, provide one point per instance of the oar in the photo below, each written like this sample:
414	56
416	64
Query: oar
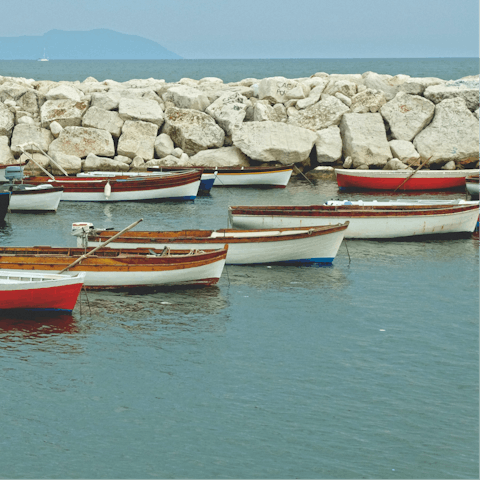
91	252
413	173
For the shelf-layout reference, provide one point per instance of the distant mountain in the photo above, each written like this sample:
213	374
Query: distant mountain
100	44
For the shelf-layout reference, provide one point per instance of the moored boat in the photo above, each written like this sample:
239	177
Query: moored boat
265	176
117	188
20	290
120	269
472	185
402	179
286	245
365	221
33	198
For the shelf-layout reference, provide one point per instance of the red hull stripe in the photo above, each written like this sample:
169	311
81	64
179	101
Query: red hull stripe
49	298
348	181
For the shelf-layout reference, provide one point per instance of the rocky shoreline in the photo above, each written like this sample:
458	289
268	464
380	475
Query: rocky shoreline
349	121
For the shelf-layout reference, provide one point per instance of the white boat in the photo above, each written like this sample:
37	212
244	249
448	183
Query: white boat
44	58
117	188
365	221
472	186
20	290
120	269
30	198
287	245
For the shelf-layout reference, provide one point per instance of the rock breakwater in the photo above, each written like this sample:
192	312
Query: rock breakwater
351	121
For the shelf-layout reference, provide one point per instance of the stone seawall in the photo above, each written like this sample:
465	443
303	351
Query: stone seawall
354	121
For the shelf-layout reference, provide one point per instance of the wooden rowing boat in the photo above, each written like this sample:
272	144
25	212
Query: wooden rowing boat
365	221
121	269
397	179
22	290
286	245
269	176
176	186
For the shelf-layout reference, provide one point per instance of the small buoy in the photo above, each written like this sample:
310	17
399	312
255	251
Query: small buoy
107	191
382	330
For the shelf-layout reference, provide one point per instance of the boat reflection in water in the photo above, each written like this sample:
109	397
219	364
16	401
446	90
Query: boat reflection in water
36	324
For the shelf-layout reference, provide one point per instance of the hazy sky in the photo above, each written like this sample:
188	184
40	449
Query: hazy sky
266	28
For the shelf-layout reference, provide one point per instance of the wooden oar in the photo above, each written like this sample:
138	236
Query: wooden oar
91	252
413	173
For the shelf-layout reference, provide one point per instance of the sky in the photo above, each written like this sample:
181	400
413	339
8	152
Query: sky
235	29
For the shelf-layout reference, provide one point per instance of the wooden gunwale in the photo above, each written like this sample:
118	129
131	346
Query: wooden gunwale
234	170
118	184
352	210
56	258
201	237
37	192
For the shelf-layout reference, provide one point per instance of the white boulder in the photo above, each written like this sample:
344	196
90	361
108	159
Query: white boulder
367	101
6	120
70	163
404	151
184	96
67	113
220	157
452	134
96	117
142	109
365	139
274	142
94	163
328	145
64	92
137	139
163	145
80	141
192	130
229	111
466	89
407	115
32	137
6	155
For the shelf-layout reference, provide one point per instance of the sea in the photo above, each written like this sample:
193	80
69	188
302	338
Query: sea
368	368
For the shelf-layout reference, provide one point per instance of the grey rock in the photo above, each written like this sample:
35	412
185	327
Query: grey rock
137	139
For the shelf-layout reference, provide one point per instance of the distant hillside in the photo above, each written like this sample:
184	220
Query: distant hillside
100	44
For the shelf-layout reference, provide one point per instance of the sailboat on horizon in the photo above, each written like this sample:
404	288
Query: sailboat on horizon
44	58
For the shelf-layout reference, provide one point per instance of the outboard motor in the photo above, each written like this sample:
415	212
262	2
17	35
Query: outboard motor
14	172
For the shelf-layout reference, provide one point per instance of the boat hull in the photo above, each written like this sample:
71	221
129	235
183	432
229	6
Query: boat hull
318	245
397	179
4	203
38	200
58	293
368	223
182	186
118	269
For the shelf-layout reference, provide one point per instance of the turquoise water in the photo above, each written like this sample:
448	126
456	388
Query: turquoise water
365	369
234	70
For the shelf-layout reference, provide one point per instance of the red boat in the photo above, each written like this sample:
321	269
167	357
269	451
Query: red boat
402	179
39	291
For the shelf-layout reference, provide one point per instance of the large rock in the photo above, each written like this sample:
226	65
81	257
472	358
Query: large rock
184	96
323	114
345	87
263	112
137	139
29	102
313	96
407	115
365	139
32	135
96	117
11	90
94	163
466	89
67	113
274	142
384	83
220	157
6	155
404	151
6	120
328	145
142	109
163	145
80	141
417	86
452	135
229	111
368	101
63	92
107	101
192	130
275	89
70	163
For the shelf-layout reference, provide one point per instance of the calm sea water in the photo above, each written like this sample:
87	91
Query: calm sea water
234	70
365	369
